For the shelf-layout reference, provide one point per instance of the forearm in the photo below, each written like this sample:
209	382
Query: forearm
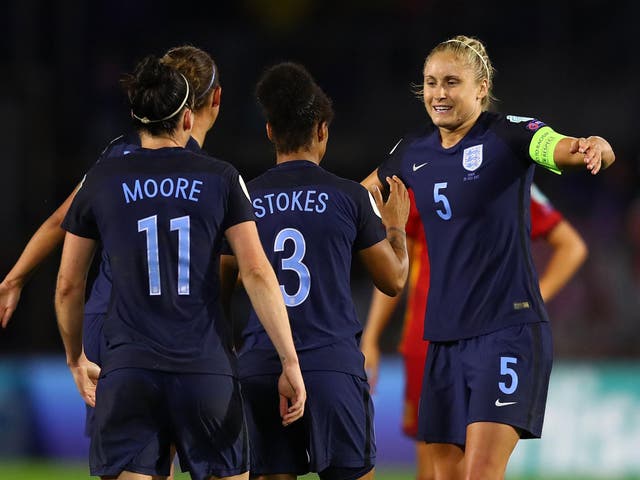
264	292
562	265
46	239
380	312
397	238
69	312
569	252
70	289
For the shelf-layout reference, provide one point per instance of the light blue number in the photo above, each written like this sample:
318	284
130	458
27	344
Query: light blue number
149	225
294	262
439	197
506	370
182	225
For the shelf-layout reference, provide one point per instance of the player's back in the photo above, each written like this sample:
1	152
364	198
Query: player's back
310	221
161	215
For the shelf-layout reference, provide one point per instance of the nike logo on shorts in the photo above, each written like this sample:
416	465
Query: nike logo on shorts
418	167
503	404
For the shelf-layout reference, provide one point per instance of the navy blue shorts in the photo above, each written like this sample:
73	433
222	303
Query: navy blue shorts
335	435
502	377
139	413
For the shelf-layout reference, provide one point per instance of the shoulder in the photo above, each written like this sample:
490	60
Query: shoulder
203	160
349	187
412	137
513	123
121	145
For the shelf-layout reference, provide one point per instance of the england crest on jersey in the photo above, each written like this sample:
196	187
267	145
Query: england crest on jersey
472	158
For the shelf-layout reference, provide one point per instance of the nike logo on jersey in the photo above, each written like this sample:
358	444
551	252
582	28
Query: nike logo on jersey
503	404
418	167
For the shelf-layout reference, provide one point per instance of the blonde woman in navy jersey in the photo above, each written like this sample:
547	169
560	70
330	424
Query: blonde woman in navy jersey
490	352
311	223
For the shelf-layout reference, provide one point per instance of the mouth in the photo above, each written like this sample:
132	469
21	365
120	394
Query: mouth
441	108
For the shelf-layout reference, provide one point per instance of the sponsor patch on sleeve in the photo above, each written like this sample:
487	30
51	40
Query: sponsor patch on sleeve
517	119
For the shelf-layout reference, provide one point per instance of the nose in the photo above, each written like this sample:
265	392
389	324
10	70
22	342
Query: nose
440	92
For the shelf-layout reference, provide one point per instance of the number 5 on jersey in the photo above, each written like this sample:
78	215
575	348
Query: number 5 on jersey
441	198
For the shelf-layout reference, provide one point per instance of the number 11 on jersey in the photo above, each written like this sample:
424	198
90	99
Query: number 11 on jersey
149	225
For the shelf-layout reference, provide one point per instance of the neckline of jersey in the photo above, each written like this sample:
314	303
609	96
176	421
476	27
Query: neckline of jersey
295	164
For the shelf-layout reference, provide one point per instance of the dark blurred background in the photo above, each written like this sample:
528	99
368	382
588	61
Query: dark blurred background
574	65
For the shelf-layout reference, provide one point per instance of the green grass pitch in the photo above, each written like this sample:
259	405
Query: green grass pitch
43	470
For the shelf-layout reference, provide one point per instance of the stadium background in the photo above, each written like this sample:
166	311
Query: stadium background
573	64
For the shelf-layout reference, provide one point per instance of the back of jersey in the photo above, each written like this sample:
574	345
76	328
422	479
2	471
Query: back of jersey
161	215
310	221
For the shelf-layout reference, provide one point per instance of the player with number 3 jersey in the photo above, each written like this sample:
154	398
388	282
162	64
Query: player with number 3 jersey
310	222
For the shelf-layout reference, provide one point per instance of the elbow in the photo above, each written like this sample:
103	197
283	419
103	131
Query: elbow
254	274
389	290
394	286
67	290
581	252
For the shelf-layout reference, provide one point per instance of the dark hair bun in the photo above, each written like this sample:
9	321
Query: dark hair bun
293	103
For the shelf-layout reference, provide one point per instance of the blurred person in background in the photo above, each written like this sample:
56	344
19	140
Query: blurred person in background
569	253
490	348
168	371
311	222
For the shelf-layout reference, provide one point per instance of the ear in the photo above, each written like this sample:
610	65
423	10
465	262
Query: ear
323	131
483	90
269	132
216	97
187	120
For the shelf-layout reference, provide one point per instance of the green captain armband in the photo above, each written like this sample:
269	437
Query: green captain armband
541	148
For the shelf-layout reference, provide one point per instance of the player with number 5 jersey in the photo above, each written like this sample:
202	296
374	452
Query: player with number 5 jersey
490	351
310	222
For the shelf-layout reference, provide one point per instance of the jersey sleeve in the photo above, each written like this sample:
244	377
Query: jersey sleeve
391	166
538	139
544	217
80	219
370	227
119	146
239	207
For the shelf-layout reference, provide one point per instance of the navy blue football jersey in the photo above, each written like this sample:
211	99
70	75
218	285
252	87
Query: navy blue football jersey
473	199
161	216
98	301
310	222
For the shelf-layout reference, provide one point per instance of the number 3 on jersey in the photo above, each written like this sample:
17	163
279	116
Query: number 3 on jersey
294	263
441	198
